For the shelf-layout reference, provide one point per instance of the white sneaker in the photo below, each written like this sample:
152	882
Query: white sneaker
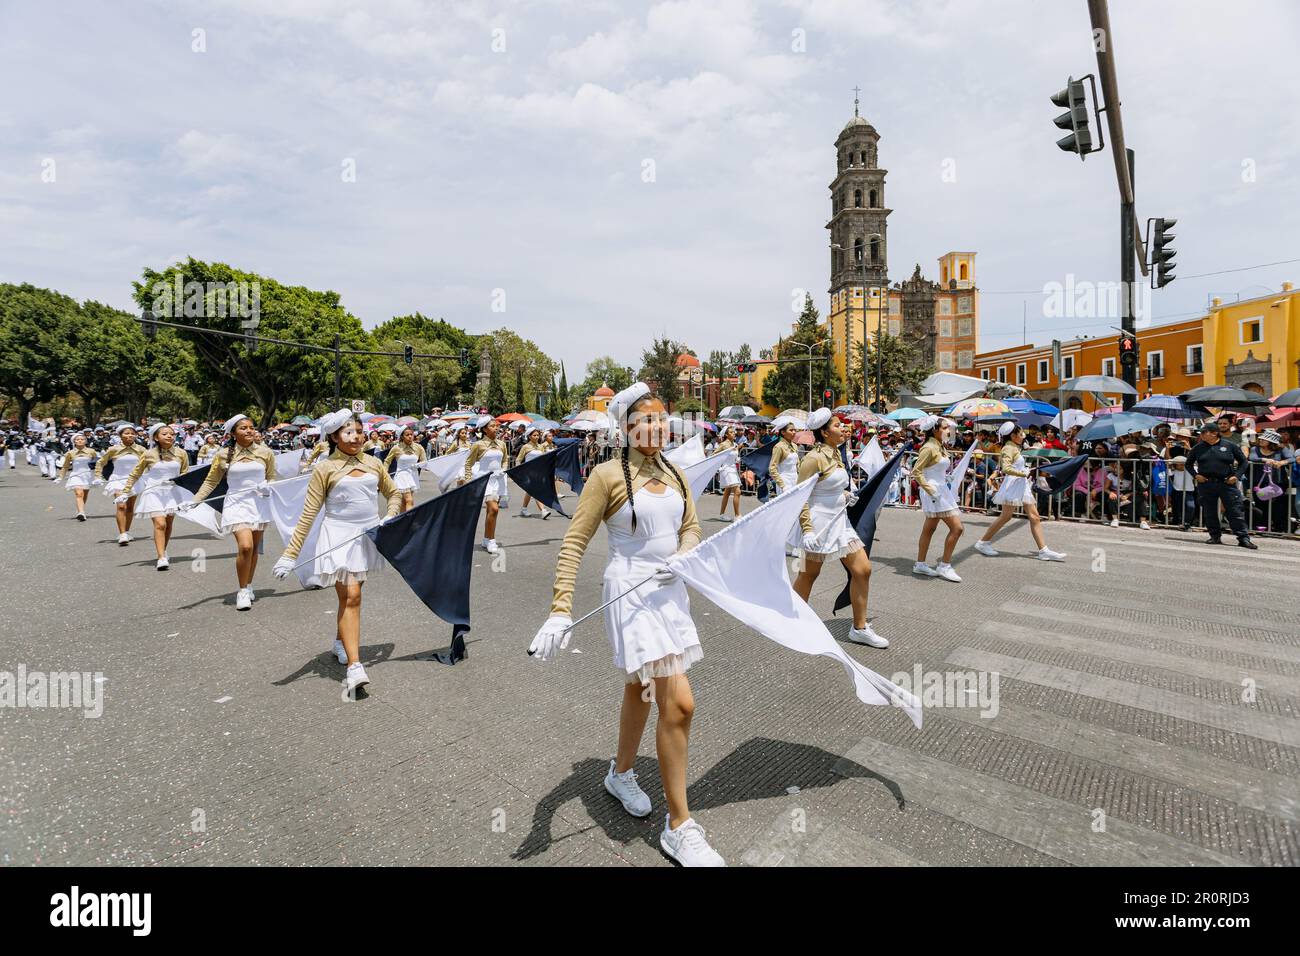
1047	554
624	786
242	601
124	539
867	636
688	846
1114	522
492	547
1144	526
546	513
81	516
720	518
983	547
356	677
340	651
946	572
163	564
920	567
522	513
252	595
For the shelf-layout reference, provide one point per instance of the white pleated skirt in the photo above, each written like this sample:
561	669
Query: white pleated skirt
1014	490
350	508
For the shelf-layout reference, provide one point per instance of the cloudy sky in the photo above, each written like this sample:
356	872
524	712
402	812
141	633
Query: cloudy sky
622	169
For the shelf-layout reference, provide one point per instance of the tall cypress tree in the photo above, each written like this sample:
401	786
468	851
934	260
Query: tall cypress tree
520	407
496	394
564	388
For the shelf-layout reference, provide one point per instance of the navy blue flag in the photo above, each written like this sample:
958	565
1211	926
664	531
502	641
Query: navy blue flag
537	478
193	480
863	514
758	461
568	466
432	548
1062	474
108	469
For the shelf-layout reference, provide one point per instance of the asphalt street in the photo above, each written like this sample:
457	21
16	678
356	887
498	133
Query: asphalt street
1145	711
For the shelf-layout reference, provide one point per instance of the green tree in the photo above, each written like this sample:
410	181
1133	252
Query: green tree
496	395
659	368
564	388
520	407
509	350
449	341
600	371
32	323
425	382
902	366
787	387
689	406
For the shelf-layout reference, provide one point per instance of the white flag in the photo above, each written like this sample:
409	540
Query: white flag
957	474
742	570
700	473
288	463
287	500
871	459
687	453
446	469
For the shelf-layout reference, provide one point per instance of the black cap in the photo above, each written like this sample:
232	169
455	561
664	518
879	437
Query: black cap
1209	427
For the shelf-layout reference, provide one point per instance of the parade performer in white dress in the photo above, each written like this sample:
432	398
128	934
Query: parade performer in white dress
488	456
1016	491
532	448
248	467
824	530
344	489
728	475
158	498
648	511
783	467
124	458
208	450
938	500
408	454
77	473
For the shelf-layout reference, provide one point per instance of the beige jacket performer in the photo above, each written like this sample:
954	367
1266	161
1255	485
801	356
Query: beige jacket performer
324	476
218	466
783	450
104	459
604	494
822	462
152	457
481	448
931	453
85	452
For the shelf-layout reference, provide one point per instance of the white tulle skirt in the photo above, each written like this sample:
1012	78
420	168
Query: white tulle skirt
350	508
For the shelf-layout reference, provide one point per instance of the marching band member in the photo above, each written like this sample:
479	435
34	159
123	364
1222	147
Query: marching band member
646	506
938	500
489	455
1015	491
346	486
783	468
124	458
533	447
248	467
210	448
159	500
728	475
824	529
77	473
408	454
322	447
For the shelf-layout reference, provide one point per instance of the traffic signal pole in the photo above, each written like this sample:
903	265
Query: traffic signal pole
1127	266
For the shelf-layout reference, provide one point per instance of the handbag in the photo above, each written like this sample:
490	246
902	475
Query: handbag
1267	490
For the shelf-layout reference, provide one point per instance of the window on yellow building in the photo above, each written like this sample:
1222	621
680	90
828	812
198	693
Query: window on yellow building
1252	330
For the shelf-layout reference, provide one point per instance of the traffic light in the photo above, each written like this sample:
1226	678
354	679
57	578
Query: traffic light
1075	101
464	358
1162	253
828	395
1128	350
743	367
147	324
408	354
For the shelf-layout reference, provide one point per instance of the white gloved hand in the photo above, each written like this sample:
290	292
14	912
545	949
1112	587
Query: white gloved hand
262	489
665	575
810	542
189	505
121	499
851	499
551	637
283	567
97	481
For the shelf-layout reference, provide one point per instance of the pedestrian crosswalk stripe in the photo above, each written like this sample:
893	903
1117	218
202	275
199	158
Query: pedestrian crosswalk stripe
1110	601
1222	553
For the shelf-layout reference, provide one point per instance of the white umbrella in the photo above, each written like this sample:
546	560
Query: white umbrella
1071	417
736	412
584	426
1105	384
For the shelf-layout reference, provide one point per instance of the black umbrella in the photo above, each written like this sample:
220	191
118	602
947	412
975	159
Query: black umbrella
756	420
1289	399
1224	396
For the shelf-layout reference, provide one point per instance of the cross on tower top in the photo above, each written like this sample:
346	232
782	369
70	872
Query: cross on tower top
856	91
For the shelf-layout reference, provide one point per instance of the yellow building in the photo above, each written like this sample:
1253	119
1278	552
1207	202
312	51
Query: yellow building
1253	344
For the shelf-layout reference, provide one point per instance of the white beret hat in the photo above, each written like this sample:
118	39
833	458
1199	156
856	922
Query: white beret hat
231	422
818	418
482	420
621	404
1005	429
781	421
153	429
123	427
926	422
332	422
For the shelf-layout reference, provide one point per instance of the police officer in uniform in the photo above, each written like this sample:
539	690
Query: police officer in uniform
1219	467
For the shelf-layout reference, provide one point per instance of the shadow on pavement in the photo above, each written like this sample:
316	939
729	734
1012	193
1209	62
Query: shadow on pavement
758	769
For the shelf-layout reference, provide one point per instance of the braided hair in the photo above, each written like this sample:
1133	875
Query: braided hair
663	463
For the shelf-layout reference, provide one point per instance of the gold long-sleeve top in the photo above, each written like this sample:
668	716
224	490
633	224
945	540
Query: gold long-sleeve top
324	476
318	449
604	494
104	459
481	448
931	453
154	456
722	446
224	459
822	462
1007	460
528	449
75	453
398	450
783	450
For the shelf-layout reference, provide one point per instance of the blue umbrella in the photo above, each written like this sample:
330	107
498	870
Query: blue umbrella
1120	423
1169	407
905	414
1031	412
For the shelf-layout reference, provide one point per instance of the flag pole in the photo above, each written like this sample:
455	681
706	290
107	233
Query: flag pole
617	597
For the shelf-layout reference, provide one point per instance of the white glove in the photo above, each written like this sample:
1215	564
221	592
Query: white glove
665	575
121	499
810	542
262	489
552	637
189	505
98	481
283	567
850	499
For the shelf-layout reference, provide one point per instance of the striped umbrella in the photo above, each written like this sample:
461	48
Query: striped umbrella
1169	407
977	408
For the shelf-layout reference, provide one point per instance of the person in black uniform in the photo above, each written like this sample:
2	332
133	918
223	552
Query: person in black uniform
1218	467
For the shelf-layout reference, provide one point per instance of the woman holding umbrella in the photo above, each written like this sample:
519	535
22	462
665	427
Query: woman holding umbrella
1015	491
